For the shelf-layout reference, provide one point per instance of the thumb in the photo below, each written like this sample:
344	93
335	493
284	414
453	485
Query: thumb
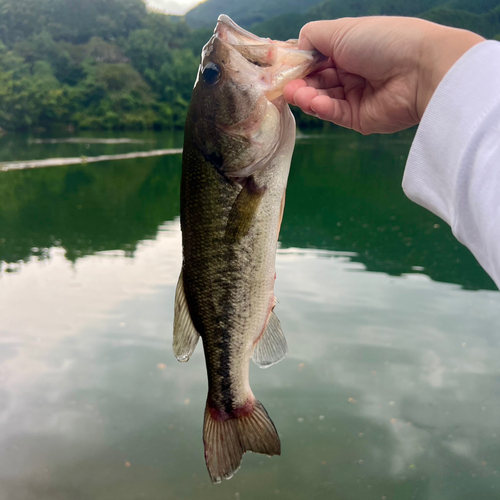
324	35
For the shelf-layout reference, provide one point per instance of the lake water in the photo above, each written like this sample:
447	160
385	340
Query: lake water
391	390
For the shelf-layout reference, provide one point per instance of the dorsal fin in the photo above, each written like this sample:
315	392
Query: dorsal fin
185	335
271	346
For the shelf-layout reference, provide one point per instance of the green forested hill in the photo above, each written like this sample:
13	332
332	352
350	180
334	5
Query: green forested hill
244	12
485	23
70	20
111	64
482	16
93	64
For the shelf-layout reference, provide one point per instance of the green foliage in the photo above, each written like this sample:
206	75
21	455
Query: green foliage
119	98
74	21
42	47
481	16
198	38
456	18
332	9
158	52
243	12
30	95
486	24
474	6
103	64
282	27
110	64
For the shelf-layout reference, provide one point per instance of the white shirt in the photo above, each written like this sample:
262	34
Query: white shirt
453	168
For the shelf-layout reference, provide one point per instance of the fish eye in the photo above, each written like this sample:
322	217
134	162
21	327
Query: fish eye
211	74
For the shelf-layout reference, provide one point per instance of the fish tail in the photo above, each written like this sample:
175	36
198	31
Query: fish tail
228	436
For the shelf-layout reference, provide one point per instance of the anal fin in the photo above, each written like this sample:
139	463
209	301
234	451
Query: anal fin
271	346
185	335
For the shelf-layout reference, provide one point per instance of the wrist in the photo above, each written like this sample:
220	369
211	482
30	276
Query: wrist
441	49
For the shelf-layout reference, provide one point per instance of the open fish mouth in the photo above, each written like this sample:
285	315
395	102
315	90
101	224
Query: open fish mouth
281	62
230	32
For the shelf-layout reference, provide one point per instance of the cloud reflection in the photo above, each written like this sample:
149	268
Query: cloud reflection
391	387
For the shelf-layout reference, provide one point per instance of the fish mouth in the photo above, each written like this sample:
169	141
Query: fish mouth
230	32
280	62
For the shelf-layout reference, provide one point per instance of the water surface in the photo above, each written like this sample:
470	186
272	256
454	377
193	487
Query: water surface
392	386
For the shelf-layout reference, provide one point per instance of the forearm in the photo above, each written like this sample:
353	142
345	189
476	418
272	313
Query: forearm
454	164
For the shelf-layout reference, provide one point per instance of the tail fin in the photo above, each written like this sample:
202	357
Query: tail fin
227	439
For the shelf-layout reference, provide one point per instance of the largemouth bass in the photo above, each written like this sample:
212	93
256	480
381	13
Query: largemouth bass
239	139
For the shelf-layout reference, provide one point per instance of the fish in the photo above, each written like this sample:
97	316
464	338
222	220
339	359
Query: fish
238	144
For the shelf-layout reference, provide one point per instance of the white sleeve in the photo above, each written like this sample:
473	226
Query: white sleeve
453	168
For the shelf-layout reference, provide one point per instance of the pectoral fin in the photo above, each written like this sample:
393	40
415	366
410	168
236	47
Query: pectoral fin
243	211
185	335
271	346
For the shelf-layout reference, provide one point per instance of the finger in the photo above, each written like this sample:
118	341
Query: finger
335	93
351	81
325	79
291	88
303	97
334	110
315	36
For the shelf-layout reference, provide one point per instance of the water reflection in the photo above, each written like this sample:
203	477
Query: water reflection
391	387
344	194
109	206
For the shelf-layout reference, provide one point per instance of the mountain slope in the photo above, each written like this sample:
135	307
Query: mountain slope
481	16
244	12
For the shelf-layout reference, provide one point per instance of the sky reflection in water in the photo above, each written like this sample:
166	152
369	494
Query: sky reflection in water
391	388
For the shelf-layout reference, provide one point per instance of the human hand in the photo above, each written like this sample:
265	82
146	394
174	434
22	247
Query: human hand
381	71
